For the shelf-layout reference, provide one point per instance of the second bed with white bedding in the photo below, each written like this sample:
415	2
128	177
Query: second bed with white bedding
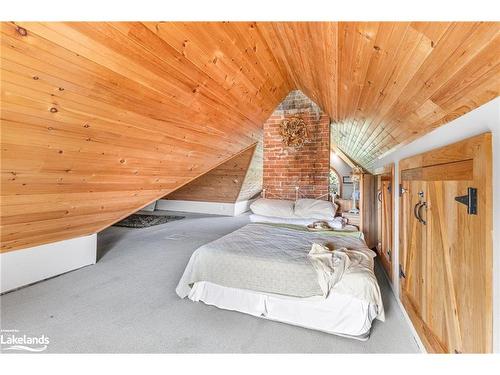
266	270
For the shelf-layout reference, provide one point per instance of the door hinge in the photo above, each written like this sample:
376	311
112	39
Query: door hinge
402	190
401	272
389	188
470	200
389	253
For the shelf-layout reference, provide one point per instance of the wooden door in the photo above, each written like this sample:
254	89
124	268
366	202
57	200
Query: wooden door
378	209
413	254
367	209
384	208
386	224
446	246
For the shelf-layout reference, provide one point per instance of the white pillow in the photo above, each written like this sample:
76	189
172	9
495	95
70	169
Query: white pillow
273	207
315	208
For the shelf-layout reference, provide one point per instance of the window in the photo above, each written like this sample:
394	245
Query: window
335	183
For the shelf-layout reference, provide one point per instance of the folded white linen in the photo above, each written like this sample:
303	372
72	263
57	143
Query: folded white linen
346	272
329	265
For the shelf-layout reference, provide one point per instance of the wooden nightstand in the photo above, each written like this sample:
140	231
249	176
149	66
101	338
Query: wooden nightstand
352	219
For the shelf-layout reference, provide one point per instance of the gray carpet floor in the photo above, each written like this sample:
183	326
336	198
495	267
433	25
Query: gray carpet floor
126	303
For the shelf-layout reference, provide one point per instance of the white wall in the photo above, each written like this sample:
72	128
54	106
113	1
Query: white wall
483	119
26	266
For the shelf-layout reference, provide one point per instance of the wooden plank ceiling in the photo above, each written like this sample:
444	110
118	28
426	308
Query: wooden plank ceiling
99	119
385	84
225	183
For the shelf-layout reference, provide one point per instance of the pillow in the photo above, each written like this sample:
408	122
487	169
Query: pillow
273	207
315	208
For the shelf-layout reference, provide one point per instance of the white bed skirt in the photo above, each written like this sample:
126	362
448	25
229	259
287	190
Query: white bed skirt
338	314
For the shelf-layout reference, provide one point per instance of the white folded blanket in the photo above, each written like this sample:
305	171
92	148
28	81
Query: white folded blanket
345	271
329	265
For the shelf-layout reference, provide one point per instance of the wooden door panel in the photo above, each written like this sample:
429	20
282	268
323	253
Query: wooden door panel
384	207
386	197
451	253
443	299
378	203
413	249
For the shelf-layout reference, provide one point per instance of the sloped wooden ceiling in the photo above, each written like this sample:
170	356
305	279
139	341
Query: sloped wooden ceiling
385	84
222	184
409	78
99	119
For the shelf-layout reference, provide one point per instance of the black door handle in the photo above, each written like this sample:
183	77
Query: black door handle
423	204
415	211
379	196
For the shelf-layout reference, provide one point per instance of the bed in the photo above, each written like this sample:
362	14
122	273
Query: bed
270	271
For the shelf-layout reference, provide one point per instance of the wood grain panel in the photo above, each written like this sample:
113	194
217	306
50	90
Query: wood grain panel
223	183
460	170
100	119
308	52
400	80
447	258
367	209
385	215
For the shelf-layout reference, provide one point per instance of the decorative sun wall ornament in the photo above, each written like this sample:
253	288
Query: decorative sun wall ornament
294	132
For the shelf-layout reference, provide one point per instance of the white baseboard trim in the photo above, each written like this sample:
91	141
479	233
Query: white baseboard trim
150	207
214	208
26	266
242	206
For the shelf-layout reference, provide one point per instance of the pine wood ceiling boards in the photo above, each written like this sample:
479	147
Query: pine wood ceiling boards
99	119
385	84
222	184
398	81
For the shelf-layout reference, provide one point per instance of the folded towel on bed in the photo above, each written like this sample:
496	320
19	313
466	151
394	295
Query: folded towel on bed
329	265
345	271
